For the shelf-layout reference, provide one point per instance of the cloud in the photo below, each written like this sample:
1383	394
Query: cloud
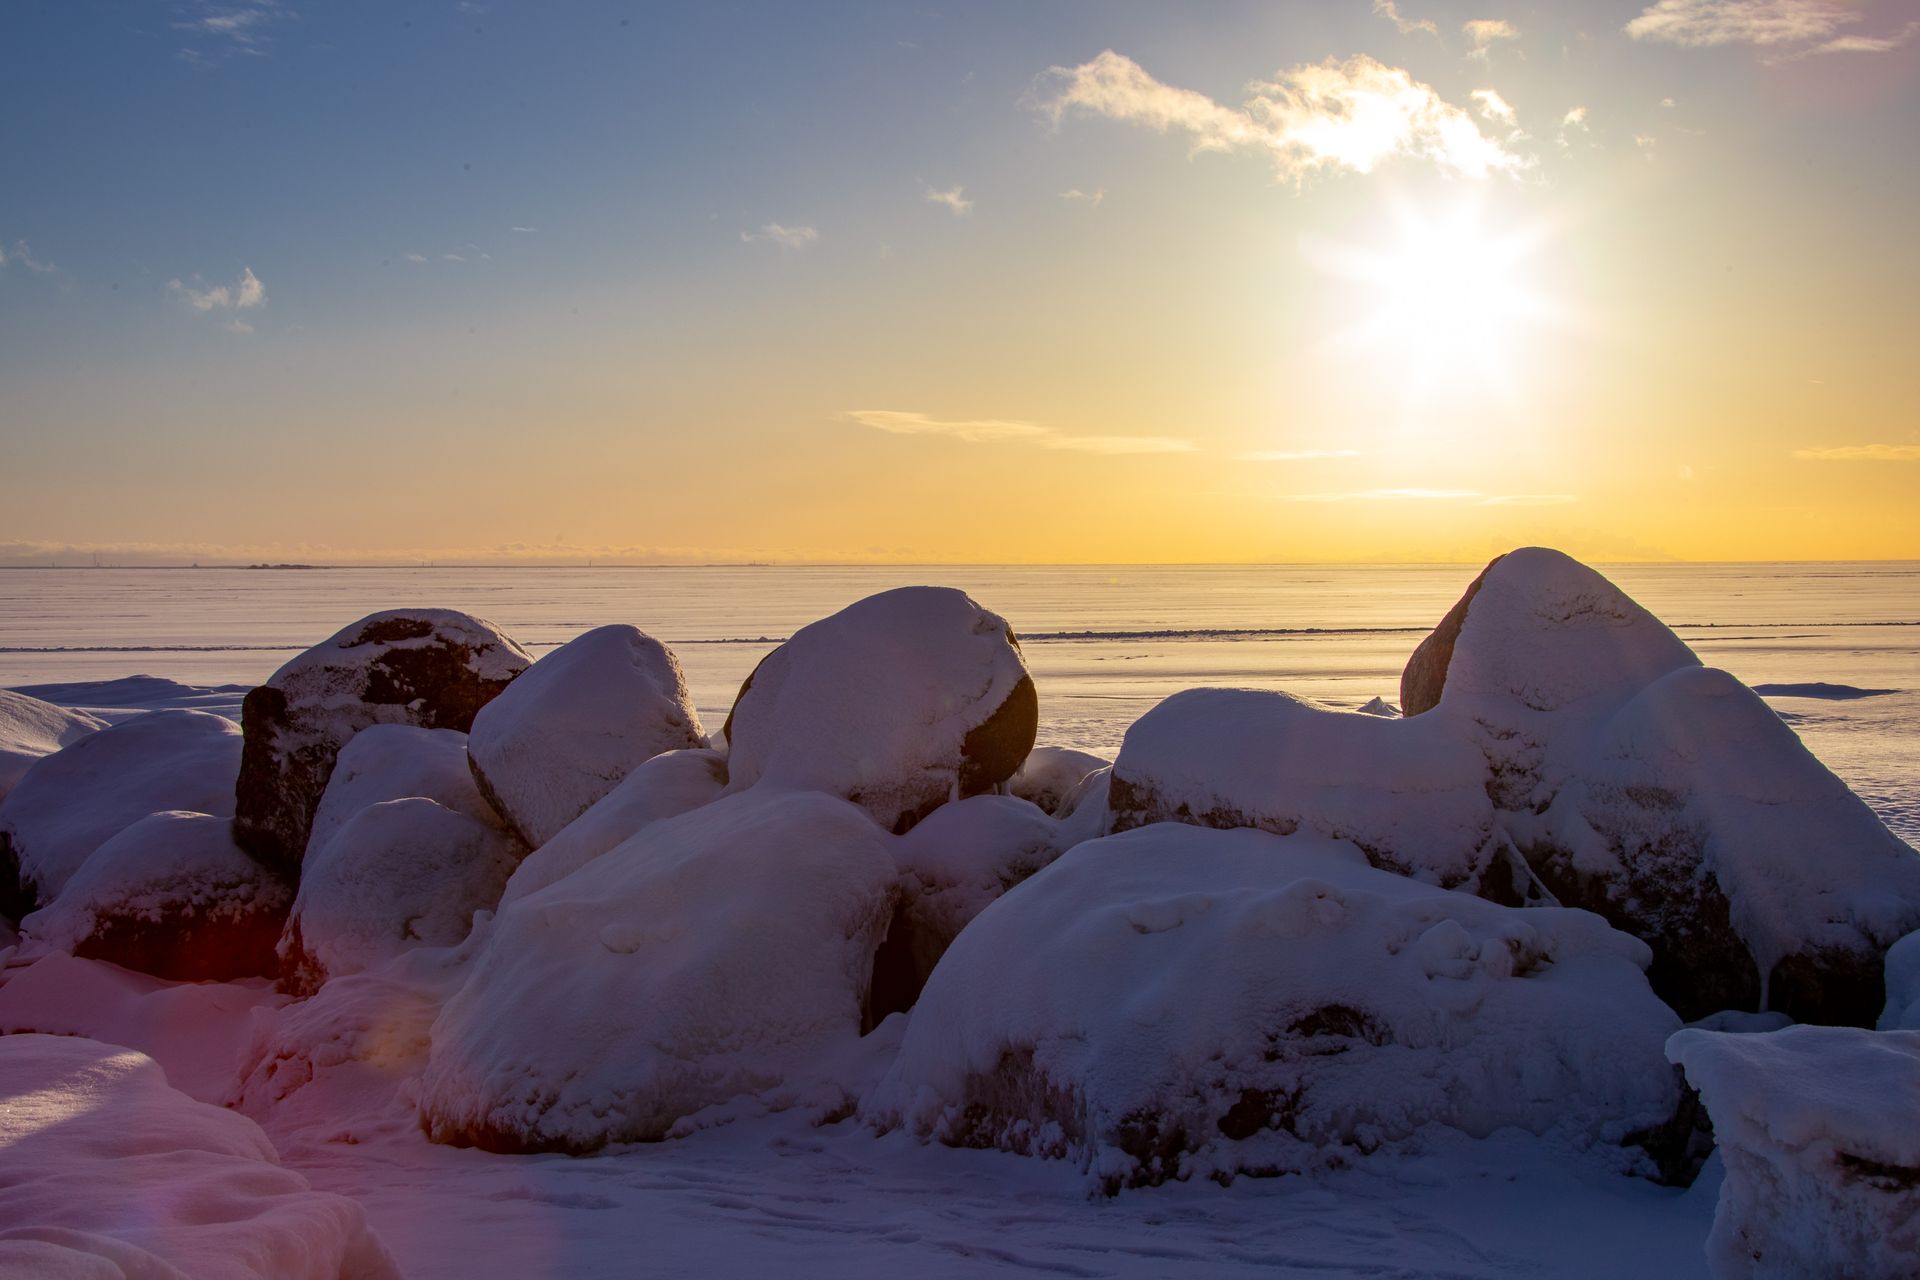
1388	495
1862	453
231	28
1091	197
1576	118
526	231
1002	430
20	255
1869	44
1529	500
1484	33
244	295
1296	455
1698	24
779	233
1407	26
1494	107
416	257
954	198
1350	115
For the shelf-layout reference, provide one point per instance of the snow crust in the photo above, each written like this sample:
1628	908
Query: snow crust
393	762
105	1170
74	801
1178	1001
30	729
399	874
880	704
710	956
578	721
1820	1131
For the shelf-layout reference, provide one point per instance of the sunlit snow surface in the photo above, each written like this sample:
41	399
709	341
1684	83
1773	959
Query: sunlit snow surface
1838	645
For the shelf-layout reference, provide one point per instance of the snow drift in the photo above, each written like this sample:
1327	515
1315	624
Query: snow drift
30	728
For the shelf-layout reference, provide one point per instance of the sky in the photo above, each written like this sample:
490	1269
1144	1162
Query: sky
1098	282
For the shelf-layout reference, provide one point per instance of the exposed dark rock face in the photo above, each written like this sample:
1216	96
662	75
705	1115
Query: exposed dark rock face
434	668
1426	671
222	944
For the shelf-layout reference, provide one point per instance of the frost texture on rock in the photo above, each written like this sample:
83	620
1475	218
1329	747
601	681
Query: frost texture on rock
30	729
957	860
1050	775
173	896
75	800
712	956
393	762
105	1170
1411	793
400	874
434	668
1178	1001
577	722
1819	1128
664	787
899	702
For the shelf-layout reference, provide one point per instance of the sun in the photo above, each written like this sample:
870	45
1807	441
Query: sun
1445	298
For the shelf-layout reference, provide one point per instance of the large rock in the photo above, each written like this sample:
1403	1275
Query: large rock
1819	1128
1411	793
400	874
580	719
1179	1002
78	798
393	762
173	896
109	1171
434	668
30	729
898	703
714	955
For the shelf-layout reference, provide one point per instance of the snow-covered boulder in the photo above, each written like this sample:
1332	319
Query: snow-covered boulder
899	702
1049	775
1178	1001
664	787
1411	793
1699	823
577	722
392	762
30	728
712	956
400	874
1819	1128
434	668
105	1170
957	860
76	799
173	896
1902	1012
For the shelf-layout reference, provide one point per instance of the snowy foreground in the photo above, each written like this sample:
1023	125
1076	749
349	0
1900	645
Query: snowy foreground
445	962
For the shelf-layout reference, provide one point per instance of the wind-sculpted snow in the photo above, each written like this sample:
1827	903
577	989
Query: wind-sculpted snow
30	729
713	955
434	668
105	1171
1177	1002
75	800
898	703
1820	1131
577	722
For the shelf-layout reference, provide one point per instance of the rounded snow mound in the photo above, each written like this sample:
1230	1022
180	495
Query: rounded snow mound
75	800
173	896
1178	1001
577	722
30	729
434	668
1050	775
899	702
112	1172
392	762
711	956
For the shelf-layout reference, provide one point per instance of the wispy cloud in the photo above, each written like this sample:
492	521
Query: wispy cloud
1484	33
953	197
1529	500
416	257
1003	430
1407	26
21	255
245	294
781	234
1333	115
526	231
1295	455
1814	26
1090	197
1388	495
1494	107
240	28
1862	453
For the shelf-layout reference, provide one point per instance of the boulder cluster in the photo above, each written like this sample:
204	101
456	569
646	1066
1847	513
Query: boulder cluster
1270	936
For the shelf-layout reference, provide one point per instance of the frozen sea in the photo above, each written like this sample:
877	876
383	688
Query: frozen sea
1835	647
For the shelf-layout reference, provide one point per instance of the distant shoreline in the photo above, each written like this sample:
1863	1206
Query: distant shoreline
916	564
